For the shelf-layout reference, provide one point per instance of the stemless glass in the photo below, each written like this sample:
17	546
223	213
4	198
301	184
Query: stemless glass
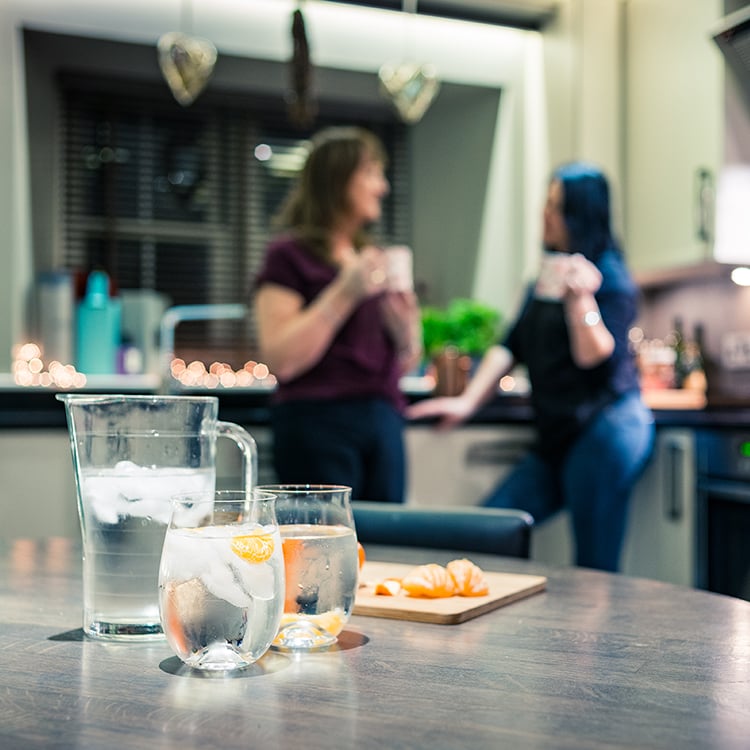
321	561
221	578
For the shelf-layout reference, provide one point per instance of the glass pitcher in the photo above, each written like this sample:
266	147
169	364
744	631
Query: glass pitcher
131	454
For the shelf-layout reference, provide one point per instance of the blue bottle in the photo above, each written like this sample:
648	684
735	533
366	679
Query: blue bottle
97	328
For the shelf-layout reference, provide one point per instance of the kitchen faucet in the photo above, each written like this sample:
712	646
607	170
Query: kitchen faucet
173	316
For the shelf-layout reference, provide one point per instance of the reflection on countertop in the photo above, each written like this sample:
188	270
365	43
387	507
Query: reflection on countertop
146	383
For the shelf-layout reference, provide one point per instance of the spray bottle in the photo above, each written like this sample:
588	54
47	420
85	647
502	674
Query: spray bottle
97	328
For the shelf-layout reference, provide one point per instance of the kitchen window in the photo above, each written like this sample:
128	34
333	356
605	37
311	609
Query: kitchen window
180	200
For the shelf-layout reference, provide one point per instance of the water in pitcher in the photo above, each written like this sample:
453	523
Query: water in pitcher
127	509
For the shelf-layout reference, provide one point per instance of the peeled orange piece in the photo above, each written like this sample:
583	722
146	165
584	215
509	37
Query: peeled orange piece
431	581
361	553
388	587
468	577
254	548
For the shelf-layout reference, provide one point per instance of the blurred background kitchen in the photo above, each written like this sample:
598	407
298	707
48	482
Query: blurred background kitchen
168	204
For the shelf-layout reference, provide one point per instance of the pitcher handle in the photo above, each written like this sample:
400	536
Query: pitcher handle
246	443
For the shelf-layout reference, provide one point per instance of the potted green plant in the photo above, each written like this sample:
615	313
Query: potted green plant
469	326
456	335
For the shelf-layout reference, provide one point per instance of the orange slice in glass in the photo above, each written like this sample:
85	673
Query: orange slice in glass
331	622
253	548
293	551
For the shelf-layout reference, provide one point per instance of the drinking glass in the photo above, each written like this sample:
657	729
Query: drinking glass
221	578
321	562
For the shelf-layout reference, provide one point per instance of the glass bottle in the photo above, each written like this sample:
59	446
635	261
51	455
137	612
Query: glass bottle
695	378
680	354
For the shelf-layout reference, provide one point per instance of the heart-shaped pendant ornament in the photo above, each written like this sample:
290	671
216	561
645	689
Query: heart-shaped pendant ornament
411	88
187	63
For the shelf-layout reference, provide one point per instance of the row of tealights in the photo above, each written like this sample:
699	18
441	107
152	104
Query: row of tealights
29	370
219	374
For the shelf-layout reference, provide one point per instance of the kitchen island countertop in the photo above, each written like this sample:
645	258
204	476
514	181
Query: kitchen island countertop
37	407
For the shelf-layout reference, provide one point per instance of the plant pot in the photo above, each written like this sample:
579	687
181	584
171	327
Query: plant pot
452	370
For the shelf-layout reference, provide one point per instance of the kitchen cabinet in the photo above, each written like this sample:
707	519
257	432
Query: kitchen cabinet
461	466
662	536
38	485
673	140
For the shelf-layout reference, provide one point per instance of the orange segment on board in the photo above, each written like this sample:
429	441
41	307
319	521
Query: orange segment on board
468	577
361	553
388	587
254	548
431	581
460	577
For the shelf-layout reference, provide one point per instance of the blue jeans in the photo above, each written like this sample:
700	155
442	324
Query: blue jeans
357	442
594	481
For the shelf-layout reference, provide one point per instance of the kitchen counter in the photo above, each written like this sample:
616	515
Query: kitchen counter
37	407
596	660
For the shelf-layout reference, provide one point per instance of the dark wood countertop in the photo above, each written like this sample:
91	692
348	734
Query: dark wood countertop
32	408
597	660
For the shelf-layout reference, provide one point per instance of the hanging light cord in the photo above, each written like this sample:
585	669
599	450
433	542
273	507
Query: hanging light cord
186	17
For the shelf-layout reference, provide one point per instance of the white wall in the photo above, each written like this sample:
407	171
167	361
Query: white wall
342	36
585	89
551	109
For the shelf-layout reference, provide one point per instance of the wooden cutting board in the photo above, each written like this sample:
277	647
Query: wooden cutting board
504	589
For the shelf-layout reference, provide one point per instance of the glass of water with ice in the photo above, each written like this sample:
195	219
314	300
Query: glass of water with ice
221	578
321	560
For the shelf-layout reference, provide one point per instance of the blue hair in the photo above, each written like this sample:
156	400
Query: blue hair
586	209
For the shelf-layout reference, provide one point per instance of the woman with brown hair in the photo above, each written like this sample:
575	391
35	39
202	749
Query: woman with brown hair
331	331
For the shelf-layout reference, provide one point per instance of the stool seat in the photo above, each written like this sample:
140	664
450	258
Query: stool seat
495	531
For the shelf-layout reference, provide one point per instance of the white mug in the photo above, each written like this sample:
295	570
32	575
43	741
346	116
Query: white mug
550	284
399	268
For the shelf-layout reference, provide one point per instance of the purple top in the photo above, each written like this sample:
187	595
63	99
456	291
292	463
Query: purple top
361	360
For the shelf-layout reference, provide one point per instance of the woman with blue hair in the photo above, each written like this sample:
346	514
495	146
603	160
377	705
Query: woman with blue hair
594	433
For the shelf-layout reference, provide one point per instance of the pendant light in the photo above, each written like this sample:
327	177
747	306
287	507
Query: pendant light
301	107
186	61
410	86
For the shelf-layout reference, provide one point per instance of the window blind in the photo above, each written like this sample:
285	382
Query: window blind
175	200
